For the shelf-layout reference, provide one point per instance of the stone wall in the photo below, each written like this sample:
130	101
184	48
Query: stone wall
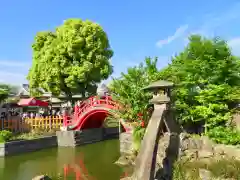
126	143
194	148
236	120
23	146
89	136
172	147
111	133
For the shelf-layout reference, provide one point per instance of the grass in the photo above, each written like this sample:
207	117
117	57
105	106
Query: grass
223	168
32	135
6	136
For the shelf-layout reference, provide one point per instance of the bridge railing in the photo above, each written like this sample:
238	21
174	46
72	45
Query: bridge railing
28	124
89	103
94	102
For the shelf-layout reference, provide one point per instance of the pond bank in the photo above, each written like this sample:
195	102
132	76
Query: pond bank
85	137
24	146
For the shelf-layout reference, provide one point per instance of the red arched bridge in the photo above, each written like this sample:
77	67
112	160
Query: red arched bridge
91	114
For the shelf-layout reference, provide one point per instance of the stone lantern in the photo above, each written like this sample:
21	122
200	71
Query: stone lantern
162	99
161	92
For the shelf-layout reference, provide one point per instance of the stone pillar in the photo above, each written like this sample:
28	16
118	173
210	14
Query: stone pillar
146	159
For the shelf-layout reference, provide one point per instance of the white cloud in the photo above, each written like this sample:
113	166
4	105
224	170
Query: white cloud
10	77
178	33
234	42
213	22
14	64
6	73
13	72
235	45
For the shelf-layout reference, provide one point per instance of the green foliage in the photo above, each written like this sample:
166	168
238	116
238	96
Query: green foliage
72	59
223	168
207	78
4	91
13	99
225	135
5	135
138	134
128	89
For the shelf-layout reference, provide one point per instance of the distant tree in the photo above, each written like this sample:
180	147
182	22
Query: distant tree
4	91
73	59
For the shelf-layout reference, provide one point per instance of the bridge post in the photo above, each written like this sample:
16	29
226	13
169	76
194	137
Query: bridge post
146	159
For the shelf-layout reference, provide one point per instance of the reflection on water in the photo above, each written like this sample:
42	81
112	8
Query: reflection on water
90	162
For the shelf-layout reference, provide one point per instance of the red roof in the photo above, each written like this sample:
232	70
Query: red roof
32	102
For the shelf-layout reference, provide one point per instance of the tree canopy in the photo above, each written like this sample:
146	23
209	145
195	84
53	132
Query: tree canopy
207	77
206	73
72	59
128	89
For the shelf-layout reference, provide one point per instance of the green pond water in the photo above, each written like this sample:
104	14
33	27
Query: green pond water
93	162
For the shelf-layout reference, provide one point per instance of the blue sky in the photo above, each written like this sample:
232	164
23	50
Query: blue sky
135	28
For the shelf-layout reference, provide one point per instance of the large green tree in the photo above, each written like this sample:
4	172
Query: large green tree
207	78
206	75
72	59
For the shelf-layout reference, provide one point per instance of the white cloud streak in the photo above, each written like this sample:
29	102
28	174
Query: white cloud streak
234	42
7	63
13	72
6	73
178	33
213	22
12	78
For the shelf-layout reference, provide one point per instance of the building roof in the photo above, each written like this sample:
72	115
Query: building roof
32	102
24	90
102	88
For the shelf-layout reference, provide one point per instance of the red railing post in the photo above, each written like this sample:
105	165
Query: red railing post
64	120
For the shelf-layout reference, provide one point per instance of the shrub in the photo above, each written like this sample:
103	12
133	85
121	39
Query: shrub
225	135
5	135
138	134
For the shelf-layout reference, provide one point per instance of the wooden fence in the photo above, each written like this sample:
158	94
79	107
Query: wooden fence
15	124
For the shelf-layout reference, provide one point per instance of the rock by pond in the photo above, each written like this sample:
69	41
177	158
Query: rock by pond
41	177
